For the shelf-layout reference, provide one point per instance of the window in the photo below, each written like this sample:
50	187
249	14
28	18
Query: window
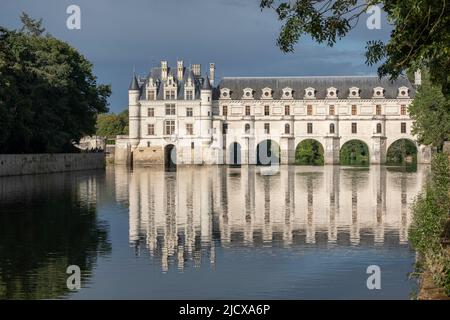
192	145
266	128
378	127
309	110
170	109
151	95
189	95
188	112
225	111
169	127
354	127
287	110
247	110
332	128
170	94
189	129
309	128
378	110
287	129
331	110
354	110
150	112
403	110
266	110
247	128
151	129
403	127
225	128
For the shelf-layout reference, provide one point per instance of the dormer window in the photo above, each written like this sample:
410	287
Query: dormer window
354	92
310	93
378	92
332	93
267	93
151	95
225	93
287	93
403	92
248	93
170	82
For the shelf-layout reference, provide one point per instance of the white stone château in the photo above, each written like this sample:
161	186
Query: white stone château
178	115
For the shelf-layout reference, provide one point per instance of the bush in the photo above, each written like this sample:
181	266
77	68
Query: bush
430	215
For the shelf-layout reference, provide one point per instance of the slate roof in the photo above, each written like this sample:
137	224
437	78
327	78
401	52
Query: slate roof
134	83
366	84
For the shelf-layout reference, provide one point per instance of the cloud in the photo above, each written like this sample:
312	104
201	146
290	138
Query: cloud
119	35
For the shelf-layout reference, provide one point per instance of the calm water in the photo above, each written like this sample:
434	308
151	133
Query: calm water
209	232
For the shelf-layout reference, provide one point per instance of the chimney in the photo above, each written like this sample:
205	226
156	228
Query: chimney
180	70
418	78
196	70
164	70
212	71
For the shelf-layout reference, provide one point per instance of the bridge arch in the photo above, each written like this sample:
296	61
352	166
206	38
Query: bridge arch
268	152
402	151
309	152
354	152
170	156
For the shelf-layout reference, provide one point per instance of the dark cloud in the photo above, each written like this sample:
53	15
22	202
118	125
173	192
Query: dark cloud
120	35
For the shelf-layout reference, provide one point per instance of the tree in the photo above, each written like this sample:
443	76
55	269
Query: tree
31	26
309	152
110	124
419	37
49	97
430	111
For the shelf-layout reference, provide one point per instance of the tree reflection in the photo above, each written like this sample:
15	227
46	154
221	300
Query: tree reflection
47	223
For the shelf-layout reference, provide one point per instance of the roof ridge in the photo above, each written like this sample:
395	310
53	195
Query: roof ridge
300	77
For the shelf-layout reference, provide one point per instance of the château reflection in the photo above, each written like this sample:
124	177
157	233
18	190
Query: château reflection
182	217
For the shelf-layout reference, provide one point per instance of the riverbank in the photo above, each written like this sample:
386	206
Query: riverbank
25	164
430	233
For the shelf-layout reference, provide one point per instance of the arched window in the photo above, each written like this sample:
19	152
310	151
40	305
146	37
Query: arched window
378	127
287	129
331	127
247	128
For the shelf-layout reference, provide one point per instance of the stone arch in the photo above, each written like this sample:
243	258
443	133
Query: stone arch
234	154
268	152
402	151
309	152
354	152
170	156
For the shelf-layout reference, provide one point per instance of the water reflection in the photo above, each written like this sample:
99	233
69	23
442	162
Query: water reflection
48	222
182	217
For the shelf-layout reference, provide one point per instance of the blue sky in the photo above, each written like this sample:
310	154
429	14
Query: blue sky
117	36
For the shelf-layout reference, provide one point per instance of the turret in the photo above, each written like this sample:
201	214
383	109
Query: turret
206	107
134	111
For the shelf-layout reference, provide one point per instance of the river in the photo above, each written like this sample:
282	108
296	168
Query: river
212	232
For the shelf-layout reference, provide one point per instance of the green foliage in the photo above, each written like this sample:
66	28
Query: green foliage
419	37
403	152
110	124
355	153
309	152
31	26
430	111
49	97
430	214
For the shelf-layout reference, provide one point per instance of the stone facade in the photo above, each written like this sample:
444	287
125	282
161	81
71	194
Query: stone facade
178	112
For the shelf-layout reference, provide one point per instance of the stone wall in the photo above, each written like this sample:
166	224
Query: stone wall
21	164
148	156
